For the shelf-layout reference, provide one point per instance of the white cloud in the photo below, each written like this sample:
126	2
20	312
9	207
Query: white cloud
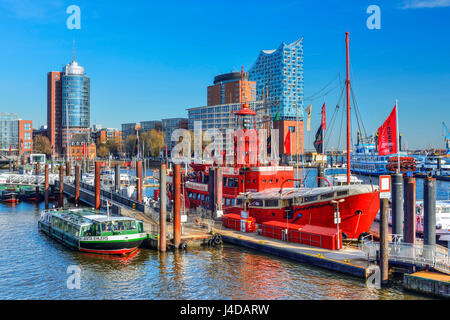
417	4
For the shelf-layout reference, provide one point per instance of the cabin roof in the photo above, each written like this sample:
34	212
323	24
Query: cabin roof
289	193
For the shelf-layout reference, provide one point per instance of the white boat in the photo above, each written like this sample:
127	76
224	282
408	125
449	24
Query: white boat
430	163
338	177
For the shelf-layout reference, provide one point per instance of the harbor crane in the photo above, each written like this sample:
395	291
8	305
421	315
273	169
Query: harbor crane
446	138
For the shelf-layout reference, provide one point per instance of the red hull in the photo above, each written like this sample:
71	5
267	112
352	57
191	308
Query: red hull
121	251
357	214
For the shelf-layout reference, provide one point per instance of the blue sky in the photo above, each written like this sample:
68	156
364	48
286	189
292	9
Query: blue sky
153	59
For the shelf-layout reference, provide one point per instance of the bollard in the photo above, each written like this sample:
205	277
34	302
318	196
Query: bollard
177	206
162	202
117	177
77	184
37	180
68	168
409	231
211	187
218	189
397	204
97	185
320	174
61	186
46	187
384	243
139	181
429	214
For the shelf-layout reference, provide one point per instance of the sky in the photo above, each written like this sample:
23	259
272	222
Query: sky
149	60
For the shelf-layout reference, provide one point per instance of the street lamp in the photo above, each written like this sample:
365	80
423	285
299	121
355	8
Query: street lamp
337	217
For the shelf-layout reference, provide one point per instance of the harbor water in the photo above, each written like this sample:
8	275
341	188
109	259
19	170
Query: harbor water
33	266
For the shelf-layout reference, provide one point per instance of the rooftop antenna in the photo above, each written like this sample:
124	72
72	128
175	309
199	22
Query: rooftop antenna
73	58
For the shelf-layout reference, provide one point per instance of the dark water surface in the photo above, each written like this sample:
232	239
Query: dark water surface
33	266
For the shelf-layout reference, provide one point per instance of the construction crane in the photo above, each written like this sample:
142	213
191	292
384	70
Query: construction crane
446	138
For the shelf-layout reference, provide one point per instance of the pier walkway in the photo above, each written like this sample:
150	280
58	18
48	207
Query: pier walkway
410	255
348	260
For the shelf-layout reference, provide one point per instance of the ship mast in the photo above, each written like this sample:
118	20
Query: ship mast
347	82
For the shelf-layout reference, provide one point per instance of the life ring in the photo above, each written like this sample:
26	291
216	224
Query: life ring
183	245
217	239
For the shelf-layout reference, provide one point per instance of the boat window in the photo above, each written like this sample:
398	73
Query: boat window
327	195
133	225
227	201
341	193
270	181
203	197
238	202
256	203
264	180
310	198
271	203
254	180
233	202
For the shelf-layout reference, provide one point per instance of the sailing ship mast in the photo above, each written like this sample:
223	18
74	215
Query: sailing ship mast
347	82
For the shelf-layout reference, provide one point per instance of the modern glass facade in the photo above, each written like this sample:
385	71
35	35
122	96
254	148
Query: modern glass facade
9	131
218	116
76	108
279	77
76	105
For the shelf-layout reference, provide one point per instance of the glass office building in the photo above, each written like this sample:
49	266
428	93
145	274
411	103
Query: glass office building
279	79
75	100
9	131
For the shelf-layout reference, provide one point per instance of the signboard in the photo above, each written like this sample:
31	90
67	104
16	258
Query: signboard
219	213
242	225
385	187
244	214
183	218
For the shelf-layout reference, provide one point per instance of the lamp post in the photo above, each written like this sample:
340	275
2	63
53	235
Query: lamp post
337	217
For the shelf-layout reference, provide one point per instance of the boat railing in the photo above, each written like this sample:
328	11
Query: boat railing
418	253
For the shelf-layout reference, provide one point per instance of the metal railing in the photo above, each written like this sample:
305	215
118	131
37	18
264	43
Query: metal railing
418	253
25	179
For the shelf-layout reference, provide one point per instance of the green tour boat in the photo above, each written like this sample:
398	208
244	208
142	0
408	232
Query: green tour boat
90	230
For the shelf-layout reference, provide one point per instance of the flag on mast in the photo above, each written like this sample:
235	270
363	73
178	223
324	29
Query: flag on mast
308	121
318	143
387	135
324	119
287	143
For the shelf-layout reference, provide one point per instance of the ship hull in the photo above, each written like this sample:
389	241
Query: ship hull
357	213
101	245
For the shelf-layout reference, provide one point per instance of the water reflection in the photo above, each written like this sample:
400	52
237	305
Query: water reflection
34	266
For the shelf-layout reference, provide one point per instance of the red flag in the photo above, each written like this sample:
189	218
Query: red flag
9	149
324	119
387	135
84	149
287	142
